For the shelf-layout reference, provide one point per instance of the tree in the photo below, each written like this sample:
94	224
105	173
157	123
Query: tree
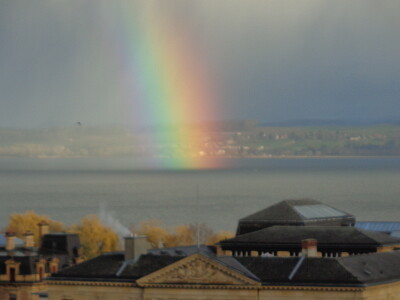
28	221
182	235
219	236
156	235
95	237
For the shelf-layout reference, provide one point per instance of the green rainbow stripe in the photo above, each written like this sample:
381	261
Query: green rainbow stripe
168	84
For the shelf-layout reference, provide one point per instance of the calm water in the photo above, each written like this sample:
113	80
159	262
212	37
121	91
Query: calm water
67	190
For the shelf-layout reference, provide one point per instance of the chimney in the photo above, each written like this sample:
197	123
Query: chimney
309	247
10	240
135	246
28	240
43	229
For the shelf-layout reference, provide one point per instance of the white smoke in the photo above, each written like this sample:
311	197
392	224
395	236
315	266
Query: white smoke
108	218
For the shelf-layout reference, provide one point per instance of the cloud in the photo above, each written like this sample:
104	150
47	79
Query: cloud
271	60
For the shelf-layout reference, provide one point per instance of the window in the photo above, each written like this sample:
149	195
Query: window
53	269
12	277
41	273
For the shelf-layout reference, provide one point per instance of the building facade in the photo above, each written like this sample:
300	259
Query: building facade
326	258
24	266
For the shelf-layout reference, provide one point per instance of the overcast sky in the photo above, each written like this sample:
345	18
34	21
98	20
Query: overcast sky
271	60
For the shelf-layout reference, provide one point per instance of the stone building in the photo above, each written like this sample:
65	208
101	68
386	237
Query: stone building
204	274
24	265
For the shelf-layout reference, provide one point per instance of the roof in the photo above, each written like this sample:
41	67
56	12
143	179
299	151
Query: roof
387	227
371	268
295	212
147	264
103	266
27	264
112	265
313	271
359	270
184	250
333	235
60	243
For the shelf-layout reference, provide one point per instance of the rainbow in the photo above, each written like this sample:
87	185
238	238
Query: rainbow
168	84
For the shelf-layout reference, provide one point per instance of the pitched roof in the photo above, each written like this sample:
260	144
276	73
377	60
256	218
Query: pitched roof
184	250
371	268
359	270
103	266
313	271
147	264
296	210
334	235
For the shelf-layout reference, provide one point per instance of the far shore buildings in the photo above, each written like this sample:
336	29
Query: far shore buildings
296	249
24	265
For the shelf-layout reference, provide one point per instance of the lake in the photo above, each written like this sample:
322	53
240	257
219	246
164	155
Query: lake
68	189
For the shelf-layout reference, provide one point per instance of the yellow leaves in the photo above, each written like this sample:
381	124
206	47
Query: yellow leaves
156	235
183	235
219	236
28	221
95	237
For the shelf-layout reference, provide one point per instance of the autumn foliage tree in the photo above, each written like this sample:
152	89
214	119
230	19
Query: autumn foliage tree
28	221
95	237
182	235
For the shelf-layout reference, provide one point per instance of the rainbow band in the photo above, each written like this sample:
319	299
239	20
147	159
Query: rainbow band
168	85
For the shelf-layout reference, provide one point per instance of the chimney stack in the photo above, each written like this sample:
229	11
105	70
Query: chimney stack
135	246
309	247
10	240
28	240
43	229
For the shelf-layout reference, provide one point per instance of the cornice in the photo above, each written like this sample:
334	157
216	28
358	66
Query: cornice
208	286
91	283
313	288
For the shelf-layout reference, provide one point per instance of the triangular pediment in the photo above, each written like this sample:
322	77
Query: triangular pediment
197	269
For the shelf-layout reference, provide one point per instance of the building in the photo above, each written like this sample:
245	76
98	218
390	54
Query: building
333	241
302	212
202	274
24	266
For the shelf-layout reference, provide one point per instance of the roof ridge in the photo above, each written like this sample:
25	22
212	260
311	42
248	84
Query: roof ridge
252	275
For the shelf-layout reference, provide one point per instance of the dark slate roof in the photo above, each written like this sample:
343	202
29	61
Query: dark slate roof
313	271
185	250
146	264
296	210
387	227
359	270
233	263
372	268
335	235
60	243
103	266
27	265
355	270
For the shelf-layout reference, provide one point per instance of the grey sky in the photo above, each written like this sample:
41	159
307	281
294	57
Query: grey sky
272	60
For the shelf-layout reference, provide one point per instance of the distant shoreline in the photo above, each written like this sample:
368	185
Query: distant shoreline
44	157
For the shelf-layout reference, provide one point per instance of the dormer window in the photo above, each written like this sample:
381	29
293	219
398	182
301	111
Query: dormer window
53	264
11	274
12	268
40	268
